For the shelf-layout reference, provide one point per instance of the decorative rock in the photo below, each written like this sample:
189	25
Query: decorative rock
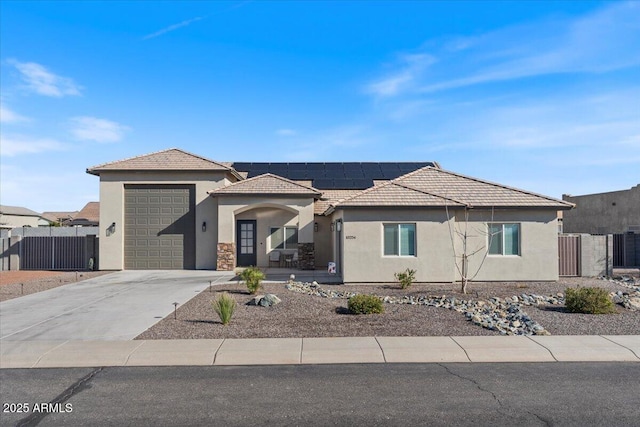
271	299
255	300
265	300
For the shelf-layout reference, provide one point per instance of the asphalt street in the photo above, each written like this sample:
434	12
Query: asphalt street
524	394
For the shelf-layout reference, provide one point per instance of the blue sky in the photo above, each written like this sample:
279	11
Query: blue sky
542	96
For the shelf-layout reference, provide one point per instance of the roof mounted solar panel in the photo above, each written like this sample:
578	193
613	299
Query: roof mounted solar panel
323	184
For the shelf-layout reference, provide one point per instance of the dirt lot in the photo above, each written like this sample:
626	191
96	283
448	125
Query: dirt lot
14	284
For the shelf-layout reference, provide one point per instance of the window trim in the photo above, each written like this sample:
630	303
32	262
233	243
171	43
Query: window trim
284	237
399	242
503	234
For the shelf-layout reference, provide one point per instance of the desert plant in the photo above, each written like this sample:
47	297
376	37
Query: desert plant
589	301
406	278
224	305
365	304
253	278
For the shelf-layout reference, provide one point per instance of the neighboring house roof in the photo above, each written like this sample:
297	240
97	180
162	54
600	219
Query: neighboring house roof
17	211
59	216
88	215
265	184
436	187
334	176
172	159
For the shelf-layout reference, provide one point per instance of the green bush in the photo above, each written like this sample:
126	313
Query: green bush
224	305
253	278
365	304
589	301
406	278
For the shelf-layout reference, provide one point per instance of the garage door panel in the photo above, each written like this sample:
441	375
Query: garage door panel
159	228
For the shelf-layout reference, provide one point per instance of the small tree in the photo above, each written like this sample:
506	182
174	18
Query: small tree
464	234
253	278
406	278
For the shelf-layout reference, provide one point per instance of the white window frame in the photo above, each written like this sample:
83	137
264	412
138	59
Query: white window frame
284	229
501	235
399	242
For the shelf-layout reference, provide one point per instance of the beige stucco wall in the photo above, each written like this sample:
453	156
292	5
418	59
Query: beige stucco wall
538	259
362	239
12	221
112	210
323	242
363	259
268	211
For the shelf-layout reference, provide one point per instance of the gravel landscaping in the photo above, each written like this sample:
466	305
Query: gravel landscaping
303	315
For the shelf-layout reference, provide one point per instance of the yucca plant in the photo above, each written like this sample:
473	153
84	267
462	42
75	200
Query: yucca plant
224	305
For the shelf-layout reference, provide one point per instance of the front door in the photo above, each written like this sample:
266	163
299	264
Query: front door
246	240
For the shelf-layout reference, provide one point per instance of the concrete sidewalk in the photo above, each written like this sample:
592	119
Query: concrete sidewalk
295	351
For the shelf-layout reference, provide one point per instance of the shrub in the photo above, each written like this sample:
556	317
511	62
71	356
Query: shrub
365	304
224	305
589	301
253	278
406	278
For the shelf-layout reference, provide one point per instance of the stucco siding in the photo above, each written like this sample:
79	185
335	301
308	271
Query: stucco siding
538	251
362	238
435	259
112	186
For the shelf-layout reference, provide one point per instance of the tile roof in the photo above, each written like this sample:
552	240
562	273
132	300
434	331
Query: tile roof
330	197
265	184
17	210
172	159
90	213
59	216
436	187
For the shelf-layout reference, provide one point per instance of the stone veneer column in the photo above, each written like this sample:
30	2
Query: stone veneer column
226	257
306	256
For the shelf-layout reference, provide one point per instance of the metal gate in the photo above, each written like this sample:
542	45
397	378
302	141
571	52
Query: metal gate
57	253
626	250
569	255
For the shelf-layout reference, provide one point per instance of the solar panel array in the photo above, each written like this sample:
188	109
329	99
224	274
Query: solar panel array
333	176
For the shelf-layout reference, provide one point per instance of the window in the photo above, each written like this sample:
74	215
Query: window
504	239
400	239
283	237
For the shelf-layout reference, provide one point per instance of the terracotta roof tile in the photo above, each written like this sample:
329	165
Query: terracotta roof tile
265	184
330	197
171	159
436	187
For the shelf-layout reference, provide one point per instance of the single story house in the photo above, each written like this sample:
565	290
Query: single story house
17	216
176	210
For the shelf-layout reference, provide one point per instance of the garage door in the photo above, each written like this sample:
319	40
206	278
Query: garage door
159	227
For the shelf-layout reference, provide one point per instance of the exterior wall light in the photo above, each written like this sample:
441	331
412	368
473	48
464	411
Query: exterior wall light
204	226
332	226
315	227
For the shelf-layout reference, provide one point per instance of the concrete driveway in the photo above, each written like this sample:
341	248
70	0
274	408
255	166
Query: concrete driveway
117	306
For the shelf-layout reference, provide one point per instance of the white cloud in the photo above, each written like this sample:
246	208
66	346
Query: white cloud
14	145
604	40
286	132
173	27
411	69
9	116
43	82
99	130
